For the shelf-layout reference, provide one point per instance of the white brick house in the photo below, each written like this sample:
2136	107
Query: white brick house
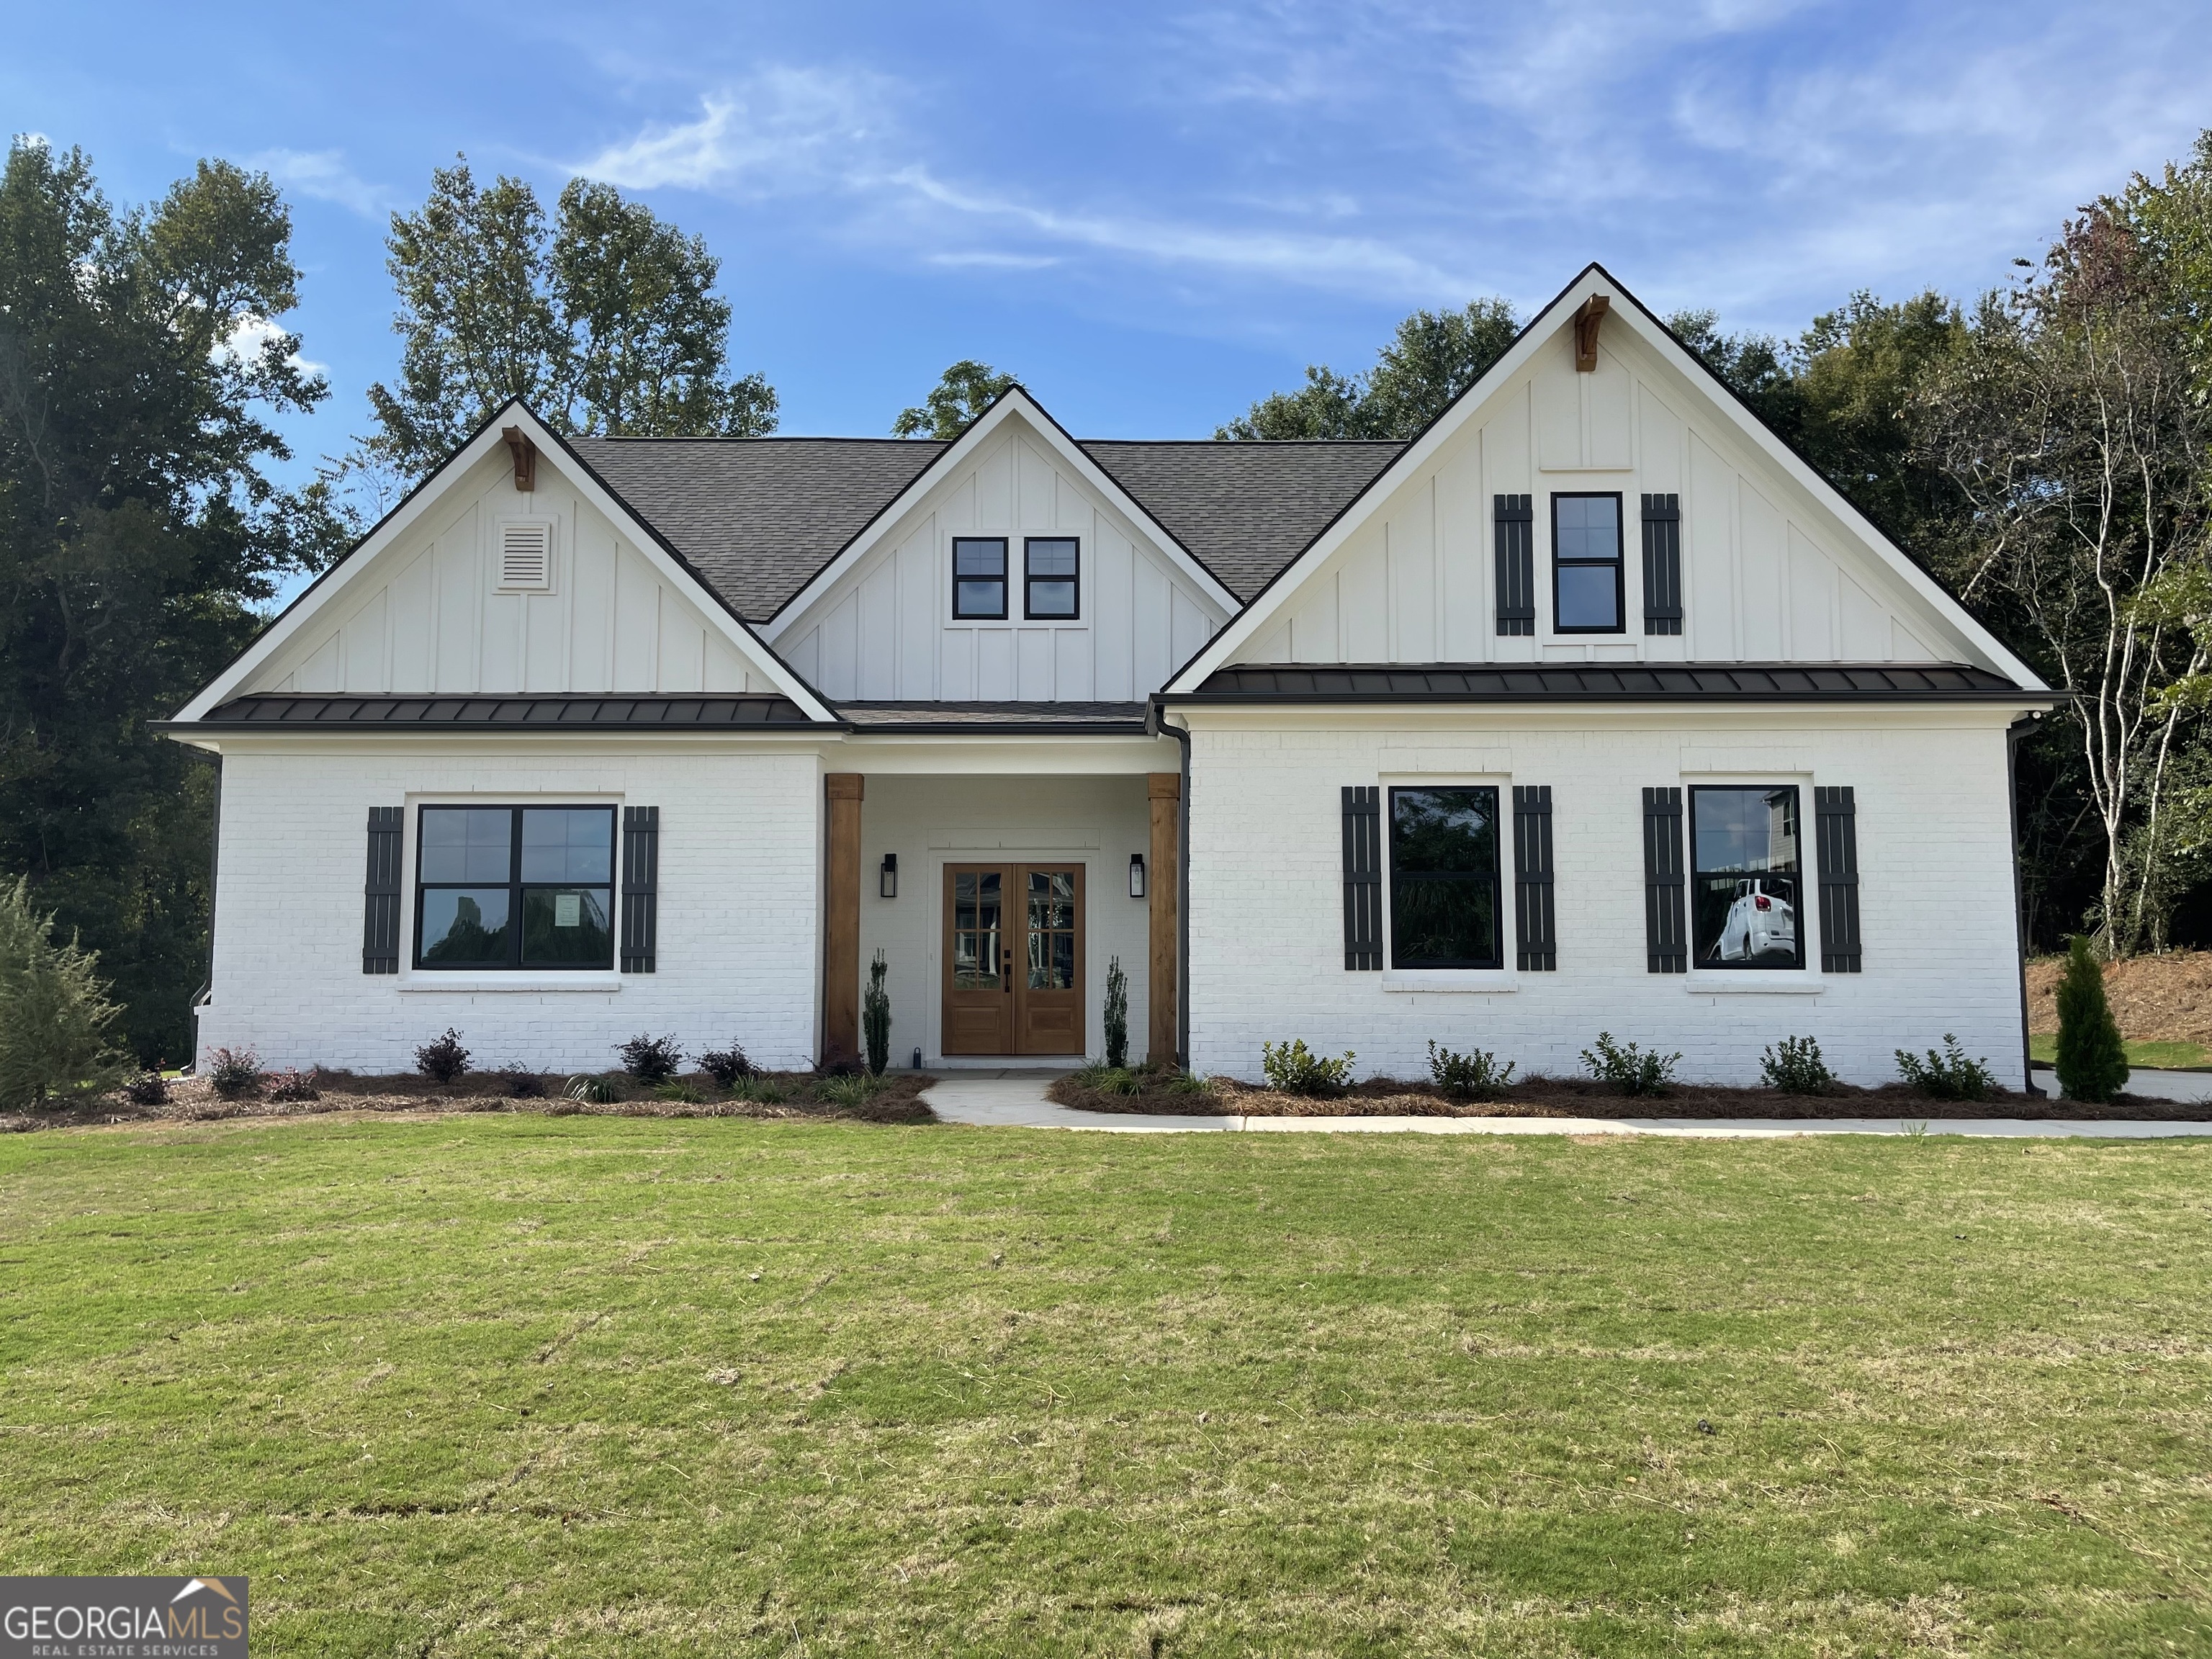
1592	708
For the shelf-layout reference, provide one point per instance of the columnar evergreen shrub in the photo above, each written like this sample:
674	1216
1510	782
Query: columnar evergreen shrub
1118	1014
876	1017
54	1011
2091	1063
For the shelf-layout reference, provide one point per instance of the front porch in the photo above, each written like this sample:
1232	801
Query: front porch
999	900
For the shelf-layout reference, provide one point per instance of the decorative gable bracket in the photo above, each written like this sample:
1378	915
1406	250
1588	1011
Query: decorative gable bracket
1591	313
525	458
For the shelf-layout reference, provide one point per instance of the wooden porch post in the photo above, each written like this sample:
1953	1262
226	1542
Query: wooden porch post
841	943
1164	996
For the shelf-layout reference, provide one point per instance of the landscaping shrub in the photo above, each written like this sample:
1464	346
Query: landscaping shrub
442	1060
1949	1075
234	1073
651	1059
2092	1064
1795	1067
1635	1071
290	1085
876	1017
727	1066
676	1090
762	1091
523	1083
592	1091
54	1010
1111	1079
1183	1083
848	1092
1467	1074
1117	1013
1295	1070
147	1089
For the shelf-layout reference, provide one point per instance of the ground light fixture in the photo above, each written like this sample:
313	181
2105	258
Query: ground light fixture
1136	875
887	878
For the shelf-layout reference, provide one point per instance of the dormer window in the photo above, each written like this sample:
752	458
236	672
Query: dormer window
1586	575
1049	578
979	577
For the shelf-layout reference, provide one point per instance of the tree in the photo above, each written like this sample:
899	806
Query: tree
607	324
961	395
55	1017
2092	1064
1431	358
140	358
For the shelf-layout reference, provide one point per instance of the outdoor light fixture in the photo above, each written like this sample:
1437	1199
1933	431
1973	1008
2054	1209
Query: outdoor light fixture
887	882
1136	875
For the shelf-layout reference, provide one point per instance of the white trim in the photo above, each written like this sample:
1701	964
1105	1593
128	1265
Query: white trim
426	984
1457	981
754	650
1016	401
1250	625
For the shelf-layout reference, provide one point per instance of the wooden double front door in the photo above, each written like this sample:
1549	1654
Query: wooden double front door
1013	959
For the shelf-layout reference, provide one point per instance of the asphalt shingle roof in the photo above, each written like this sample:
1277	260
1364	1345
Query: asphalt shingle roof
758	517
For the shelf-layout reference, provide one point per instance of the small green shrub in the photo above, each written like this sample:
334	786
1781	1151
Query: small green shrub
727	1066
678	1090
1111	1079
847	1091
1795	1067
288	1084
443	1059
234	1073
876	1017
523	1083
2092	1064
651	1059
1464	1075
1117	1013
54	1013
761	1091
1196	1088
1634	1071
1949	1075
1294	1069
592	1091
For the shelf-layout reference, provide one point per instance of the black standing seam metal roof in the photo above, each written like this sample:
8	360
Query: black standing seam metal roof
1585	681
759	518
675	712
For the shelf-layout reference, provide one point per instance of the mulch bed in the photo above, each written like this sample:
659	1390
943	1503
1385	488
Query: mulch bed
194	1100
2161	999
1542	1097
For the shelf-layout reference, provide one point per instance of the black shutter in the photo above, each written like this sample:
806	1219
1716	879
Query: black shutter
1538	945
1363	880
641	887
1516	565
1665	937
1836	838
1663	564
379	904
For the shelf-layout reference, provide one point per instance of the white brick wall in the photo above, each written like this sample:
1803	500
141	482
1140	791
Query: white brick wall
1266	946
738	952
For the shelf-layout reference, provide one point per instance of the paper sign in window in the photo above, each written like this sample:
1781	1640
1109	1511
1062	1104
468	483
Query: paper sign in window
568	909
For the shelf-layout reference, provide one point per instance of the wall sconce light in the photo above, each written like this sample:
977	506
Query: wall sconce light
1136	875
887	880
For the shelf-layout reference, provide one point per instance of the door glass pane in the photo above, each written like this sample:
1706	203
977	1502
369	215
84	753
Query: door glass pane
565	843
1744	890
1051	955
976	903
467	843
566	928
464	926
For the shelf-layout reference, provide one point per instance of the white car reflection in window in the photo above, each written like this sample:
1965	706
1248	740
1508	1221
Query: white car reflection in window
1761	927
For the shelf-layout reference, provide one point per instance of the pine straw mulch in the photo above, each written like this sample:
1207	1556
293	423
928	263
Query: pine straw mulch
194	1100
1545	1097
2162	998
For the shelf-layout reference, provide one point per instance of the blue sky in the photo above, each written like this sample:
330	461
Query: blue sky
1153	214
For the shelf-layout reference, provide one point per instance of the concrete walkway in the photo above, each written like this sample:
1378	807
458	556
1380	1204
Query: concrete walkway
2189	1086
1018	1101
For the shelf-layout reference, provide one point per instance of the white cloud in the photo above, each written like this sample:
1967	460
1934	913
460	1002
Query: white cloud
323	176
783	129
251	335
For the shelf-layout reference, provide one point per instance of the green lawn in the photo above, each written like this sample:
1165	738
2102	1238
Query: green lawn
2043	1047
517	1385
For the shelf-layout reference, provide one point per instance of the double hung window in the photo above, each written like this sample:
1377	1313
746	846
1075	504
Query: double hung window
1744	885
1444	879
1587	586
979	577
1049	577
500	887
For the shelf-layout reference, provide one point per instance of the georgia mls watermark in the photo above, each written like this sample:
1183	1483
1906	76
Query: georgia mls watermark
123	1618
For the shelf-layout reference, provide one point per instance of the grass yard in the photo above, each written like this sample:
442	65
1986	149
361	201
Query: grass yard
2043	1047
519	1384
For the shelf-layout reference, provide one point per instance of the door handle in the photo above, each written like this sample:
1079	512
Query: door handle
1006	979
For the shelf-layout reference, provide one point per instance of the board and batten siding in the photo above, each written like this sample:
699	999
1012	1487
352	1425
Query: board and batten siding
439	624
885	631
1769	574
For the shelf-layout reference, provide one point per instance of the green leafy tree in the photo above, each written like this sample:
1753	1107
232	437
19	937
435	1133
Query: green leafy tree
606	321
961	395
2093	1065
141	357
1431	358
55	1017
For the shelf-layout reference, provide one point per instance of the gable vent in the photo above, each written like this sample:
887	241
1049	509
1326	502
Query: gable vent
526	558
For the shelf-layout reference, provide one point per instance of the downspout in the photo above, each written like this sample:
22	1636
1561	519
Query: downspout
206	993
1155	722
2014	734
